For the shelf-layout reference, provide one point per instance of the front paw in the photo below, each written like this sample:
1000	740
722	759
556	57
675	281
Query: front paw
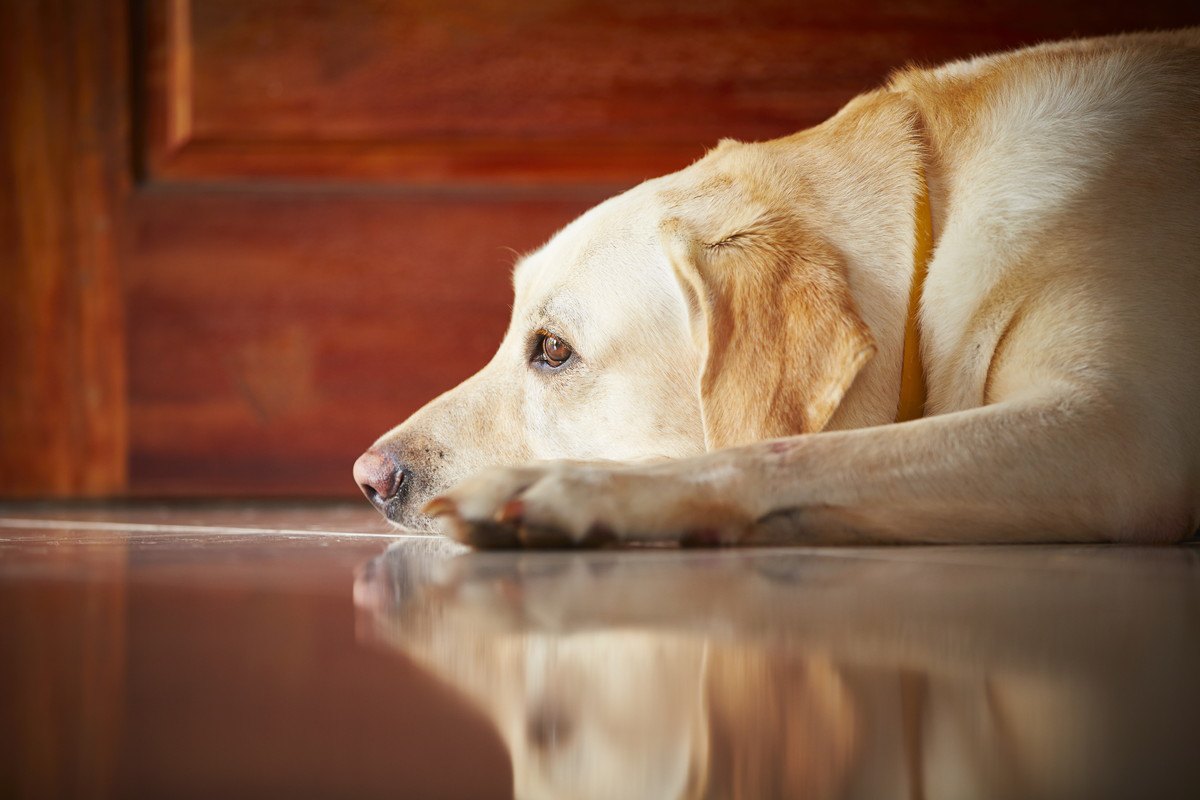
572	504
555	504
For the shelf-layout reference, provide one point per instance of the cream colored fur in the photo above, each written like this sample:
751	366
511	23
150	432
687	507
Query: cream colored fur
738	326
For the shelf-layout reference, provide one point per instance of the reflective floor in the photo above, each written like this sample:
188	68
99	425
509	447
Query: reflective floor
226	650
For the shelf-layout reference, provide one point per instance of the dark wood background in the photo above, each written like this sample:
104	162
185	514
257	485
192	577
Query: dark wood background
241	239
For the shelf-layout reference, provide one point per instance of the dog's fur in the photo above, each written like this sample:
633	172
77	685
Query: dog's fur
721	314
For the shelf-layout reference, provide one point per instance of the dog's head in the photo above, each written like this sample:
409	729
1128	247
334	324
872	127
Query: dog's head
707	308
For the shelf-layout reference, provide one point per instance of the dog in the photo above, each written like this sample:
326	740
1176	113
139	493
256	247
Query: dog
964	309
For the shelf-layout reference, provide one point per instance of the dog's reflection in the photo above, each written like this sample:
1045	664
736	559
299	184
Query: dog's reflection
790	674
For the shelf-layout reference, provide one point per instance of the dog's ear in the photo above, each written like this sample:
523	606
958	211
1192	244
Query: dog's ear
760	236
774	321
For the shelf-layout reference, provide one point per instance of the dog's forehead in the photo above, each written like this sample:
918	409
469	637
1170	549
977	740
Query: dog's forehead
614	243
619	242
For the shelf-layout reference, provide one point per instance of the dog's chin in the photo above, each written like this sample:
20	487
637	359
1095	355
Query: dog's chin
416	523
405	514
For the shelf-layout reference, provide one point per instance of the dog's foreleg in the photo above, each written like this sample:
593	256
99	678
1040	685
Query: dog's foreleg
1049	468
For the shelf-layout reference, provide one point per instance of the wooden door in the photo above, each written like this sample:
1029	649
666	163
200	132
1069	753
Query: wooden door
257	233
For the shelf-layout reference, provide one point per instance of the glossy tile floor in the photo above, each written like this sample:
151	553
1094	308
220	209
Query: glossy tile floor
307	651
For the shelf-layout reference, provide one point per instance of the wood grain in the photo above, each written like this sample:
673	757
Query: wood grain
63	172
545	91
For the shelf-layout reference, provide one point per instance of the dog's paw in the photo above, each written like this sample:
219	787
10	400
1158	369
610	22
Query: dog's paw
573	504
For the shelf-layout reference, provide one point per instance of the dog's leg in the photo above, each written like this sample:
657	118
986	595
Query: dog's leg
1052	468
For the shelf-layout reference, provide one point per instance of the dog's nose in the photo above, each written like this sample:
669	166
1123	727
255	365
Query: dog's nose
378	475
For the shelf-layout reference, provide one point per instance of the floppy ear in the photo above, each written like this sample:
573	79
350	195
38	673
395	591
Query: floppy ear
775	324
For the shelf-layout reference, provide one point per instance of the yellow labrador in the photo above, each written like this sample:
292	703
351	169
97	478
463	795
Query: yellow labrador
980	285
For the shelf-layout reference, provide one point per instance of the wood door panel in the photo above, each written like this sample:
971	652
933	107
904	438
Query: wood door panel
542	91
537	72
273	337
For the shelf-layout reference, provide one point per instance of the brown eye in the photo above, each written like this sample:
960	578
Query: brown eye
554	350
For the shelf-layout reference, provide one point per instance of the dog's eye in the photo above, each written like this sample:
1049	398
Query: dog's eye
554	351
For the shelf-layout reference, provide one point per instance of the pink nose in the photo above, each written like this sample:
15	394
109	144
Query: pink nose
378	475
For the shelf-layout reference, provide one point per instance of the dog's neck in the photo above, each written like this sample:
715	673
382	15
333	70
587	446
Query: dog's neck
893	173
911	404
